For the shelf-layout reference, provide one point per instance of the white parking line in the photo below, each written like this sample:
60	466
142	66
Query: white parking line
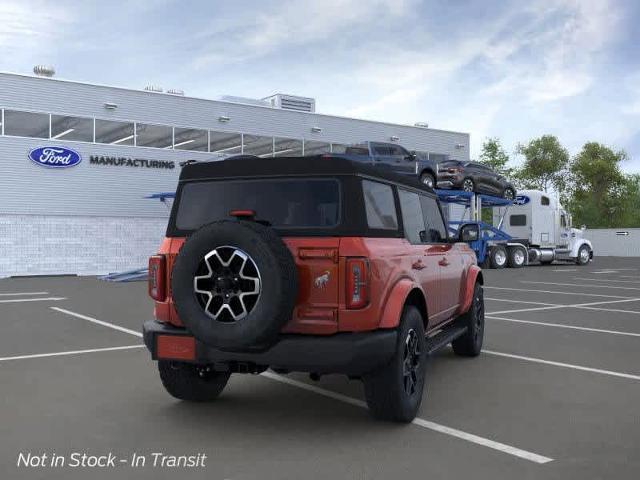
617	310
71	352
554	292
7	294
564	270
605	280
533	457
469	437
574	305
581	285
98	322
564	365
520	301
22	300
560	325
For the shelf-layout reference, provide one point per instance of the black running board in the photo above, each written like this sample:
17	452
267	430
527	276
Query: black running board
444	338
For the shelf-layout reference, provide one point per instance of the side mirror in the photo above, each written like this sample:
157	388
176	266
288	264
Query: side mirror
469	232
411	157
583	227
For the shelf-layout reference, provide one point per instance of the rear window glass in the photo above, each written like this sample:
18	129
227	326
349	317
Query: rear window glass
287	203
379	205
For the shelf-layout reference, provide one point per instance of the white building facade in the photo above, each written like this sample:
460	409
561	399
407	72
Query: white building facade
77	161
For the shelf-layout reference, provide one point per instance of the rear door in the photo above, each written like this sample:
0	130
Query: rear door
449	258
424	263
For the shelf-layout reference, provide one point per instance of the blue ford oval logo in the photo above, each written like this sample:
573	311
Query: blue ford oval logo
521	200
55	157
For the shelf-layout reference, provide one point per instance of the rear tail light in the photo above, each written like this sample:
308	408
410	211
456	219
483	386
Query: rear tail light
157	277
357	283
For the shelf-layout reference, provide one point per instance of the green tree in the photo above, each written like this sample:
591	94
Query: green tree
601	194
493	155
545	164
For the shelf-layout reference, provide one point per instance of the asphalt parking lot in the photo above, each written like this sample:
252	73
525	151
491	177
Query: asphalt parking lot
555	394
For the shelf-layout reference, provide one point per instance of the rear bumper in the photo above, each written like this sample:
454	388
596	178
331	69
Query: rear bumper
348	353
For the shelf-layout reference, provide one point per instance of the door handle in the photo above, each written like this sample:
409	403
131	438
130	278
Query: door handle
418	265
444	262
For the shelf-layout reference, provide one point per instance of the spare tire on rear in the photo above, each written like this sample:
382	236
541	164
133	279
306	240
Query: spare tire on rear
234	284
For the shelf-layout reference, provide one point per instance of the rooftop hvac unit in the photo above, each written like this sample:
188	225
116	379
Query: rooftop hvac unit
44	70
153	88
292	102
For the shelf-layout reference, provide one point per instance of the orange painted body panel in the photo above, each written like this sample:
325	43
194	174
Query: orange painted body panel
443	273
176	347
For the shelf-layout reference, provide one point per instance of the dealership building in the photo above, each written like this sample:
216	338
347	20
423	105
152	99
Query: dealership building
77	161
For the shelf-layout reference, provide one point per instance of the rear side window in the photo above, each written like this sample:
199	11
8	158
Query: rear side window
379	205
412	218
518	220
285	203
435	228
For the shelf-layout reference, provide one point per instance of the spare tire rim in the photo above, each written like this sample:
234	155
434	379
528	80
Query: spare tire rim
227	284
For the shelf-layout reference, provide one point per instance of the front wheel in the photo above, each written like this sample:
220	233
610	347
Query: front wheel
470	344
428	179
394	392
194	383
508	194
584	255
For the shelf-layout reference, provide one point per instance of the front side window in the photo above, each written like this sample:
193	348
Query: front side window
380	205
26	124
283	203
412	218
435	229
518	220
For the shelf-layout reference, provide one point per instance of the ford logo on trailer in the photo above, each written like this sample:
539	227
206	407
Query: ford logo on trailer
55	157
521	200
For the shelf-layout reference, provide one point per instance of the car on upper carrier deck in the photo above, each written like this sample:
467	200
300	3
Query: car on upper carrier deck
313	264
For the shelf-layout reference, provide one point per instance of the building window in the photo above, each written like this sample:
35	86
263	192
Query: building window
190	139
312	147
26	124
157	136
287	147
338	148
71	128
258	146
114	133
225	143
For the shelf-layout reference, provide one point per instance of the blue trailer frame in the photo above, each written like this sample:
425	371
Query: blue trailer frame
488	234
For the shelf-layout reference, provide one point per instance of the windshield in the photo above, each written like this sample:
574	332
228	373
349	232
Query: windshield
285	203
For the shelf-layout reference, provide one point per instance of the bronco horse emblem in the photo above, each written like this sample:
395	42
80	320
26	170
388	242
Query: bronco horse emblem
322	280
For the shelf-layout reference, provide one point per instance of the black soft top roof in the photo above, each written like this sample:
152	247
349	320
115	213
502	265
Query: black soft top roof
246	166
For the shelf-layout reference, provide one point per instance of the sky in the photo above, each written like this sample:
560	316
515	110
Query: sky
508	69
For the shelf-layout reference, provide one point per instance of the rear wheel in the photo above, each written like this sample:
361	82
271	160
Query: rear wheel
194	383
517	257
470	344
468	185
508	193
394	392
498	257
428	179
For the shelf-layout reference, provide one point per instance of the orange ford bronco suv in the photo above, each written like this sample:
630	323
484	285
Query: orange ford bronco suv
311	264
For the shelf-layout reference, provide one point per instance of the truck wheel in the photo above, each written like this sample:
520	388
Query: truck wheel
394	392
194	383
498	257
517	257
470	344
584	255
428	179
508	194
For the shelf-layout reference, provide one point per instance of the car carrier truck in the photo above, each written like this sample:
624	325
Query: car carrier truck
538	222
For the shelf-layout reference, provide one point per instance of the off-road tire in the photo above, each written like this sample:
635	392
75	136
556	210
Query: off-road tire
470	344
385	389
428	179
498	257
278	284
514	261
581	259
192	383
